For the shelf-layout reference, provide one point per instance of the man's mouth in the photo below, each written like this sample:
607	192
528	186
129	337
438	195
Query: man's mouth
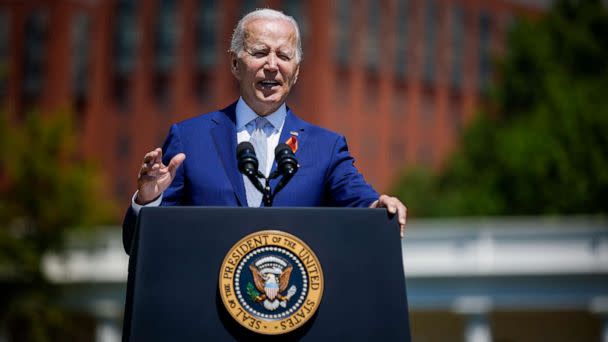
268	84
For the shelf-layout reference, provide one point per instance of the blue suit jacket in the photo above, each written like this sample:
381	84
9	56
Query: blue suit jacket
209	176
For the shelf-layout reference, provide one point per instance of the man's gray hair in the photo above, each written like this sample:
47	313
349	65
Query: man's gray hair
237	44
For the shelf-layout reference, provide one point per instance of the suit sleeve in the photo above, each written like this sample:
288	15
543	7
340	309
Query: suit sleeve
172	196
344	183
128	229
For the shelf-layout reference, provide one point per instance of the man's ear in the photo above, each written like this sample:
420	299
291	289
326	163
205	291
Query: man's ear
297	73
234	65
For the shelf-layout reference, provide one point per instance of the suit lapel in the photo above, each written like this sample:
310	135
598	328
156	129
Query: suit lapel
292	125
224	137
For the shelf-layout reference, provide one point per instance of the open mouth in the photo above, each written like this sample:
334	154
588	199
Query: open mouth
269	84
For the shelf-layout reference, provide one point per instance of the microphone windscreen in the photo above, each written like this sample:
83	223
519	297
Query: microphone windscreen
280	148
242	147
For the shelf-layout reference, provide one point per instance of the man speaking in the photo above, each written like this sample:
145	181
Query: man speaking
197	165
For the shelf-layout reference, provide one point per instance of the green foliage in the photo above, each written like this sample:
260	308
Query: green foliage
544	150
47	190
252	292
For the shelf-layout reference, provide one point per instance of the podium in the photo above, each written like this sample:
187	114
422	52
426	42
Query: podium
178	253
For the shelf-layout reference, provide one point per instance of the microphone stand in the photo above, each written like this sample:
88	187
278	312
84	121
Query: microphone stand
268	193
254	179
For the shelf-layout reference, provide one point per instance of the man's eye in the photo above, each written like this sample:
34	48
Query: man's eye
284	57
259	54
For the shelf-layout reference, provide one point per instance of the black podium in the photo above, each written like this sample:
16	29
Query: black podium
177	254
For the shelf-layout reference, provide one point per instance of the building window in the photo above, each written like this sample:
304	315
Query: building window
123	145
248	6
125	44
372	82
80	59
402	20
399	105
425	152
455	113
343	96
398	148
125	37
166	36
430	40
370	148
206	46
425	156
485	58
457	37
4	57
342	41
121	188
123	153
373	36
206	23
428	109
36	28
295	8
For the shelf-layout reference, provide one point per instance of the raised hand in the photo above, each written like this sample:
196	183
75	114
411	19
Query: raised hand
155	177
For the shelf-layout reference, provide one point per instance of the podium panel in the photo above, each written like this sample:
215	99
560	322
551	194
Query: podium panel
177	254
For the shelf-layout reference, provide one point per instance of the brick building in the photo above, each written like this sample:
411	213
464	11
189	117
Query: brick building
398	77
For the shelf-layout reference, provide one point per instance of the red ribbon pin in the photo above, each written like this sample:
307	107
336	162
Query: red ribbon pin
292	142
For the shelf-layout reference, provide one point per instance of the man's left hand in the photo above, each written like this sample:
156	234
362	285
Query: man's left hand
394	206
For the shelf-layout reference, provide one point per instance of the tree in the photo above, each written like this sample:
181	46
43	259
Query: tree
47	190
544	148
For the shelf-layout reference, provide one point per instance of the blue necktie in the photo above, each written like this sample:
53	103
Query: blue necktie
258	140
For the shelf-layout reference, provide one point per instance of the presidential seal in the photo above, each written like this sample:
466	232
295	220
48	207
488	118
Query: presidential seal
271	282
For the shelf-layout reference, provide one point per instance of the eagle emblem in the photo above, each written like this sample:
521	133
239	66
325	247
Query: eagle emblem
271	282
271	277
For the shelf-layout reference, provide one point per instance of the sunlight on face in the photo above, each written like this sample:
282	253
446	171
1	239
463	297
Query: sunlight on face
267	67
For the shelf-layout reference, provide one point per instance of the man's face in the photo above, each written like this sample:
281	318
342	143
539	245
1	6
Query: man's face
267	67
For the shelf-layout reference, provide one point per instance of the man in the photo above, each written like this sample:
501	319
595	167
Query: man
197	165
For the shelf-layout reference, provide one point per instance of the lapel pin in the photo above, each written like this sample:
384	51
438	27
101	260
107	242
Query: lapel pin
292	142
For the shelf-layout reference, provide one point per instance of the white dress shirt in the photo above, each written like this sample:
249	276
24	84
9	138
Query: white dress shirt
244	128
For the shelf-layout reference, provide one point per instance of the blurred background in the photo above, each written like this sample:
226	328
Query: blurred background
488	118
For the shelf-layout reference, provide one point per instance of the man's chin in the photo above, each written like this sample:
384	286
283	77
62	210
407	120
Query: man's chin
266	105
270	99
268	94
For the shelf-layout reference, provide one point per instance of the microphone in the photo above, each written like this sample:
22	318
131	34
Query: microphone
287	165
286	160
248	165
247	161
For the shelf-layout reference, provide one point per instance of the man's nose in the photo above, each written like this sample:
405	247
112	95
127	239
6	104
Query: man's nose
271	62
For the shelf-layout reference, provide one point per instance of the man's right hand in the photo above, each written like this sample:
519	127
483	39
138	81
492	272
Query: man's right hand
155	177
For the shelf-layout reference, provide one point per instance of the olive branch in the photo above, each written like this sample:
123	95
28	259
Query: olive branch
252	292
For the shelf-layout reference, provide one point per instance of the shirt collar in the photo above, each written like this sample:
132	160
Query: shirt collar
244	115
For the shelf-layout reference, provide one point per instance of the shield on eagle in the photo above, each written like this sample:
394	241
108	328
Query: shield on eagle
271	276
